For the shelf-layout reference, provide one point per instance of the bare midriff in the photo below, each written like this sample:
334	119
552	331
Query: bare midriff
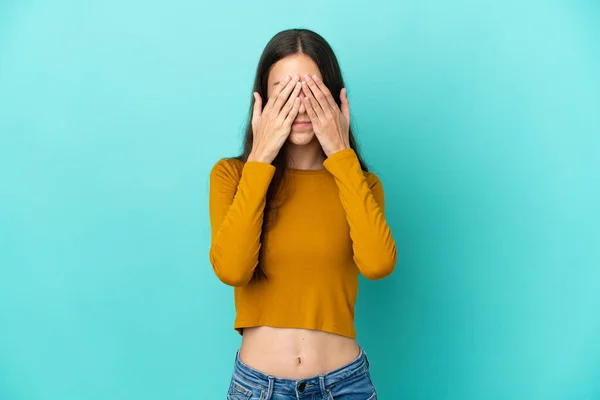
295	353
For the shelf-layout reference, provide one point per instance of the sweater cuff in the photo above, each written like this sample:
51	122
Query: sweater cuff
259	173
341	159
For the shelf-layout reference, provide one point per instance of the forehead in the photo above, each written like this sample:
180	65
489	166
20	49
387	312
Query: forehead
297	64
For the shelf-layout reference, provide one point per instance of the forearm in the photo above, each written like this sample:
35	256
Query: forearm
372	242
237	230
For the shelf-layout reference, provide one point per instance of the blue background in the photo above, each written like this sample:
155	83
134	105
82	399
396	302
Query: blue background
482	119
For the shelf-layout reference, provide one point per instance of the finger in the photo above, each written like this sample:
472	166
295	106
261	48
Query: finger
345	104
289	120
290	102
326	92
278	89
314	104
311	112
318	95
284	94
257	111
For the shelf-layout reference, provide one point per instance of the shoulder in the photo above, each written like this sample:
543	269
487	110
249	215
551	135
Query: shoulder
227	169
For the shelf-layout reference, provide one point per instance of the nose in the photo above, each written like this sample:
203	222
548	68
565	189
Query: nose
302	109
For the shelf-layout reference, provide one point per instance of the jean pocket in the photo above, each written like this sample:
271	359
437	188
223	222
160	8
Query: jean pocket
238	392
357	387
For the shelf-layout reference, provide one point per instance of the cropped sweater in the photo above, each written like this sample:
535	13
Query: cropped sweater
330	227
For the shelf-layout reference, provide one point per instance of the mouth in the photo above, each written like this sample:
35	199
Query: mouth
301	123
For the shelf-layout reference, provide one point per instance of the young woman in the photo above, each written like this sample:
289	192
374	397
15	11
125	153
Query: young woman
294	220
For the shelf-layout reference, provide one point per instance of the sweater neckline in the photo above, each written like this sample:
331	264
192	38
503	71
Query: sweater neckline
297	171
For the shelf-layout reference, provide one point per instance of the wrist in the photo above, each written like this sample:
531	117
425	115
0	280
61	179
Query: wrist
258	158
336	150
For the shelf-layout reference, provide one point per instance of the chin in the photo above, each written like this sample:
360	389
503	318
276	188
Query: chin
301	138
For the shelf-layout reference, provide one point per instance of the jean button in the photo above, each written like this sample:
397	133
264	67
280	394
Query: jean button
301	387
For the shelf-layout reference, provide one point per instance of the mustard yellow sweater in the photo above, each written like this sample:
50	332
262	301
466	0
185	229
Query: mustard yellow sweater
330	228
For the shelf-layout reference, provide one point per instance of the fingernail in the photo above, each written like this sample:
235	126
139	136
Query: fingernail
307	77
298	85
296	77
287	78
316	78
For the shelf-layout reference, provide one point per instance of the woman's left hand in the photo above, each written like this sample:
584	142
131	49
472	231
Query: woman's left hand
330	124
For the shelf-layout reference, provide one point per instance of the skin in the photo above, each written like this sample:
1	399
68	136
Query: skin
273	127
284	352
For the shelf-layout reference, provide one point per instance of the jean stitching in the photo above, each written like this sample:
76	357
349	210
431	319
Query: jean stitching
240	382
253	385
358	373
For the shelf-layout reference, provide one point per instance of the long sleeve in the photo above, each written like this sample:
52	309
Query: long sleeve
363	201
236	204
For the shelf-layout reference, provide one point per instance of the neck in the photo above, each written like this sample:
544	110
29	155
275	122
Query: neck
308	156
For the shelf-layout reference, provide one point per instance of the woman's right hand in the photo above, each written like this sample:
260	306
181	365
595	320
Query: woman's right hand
272	126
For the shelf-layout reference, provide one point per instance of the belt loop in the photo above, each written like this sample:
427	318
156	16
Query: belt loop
322	385
363	356
270	389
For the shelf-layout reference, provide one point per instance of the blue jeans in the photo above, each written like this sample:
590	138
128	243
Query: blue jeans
350	382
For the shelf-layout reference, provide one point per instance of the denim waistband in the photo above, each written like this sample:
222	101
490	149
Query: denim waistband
317	383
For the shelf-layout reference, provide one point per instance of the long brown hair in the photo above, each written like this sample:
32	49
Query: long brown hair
283	44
